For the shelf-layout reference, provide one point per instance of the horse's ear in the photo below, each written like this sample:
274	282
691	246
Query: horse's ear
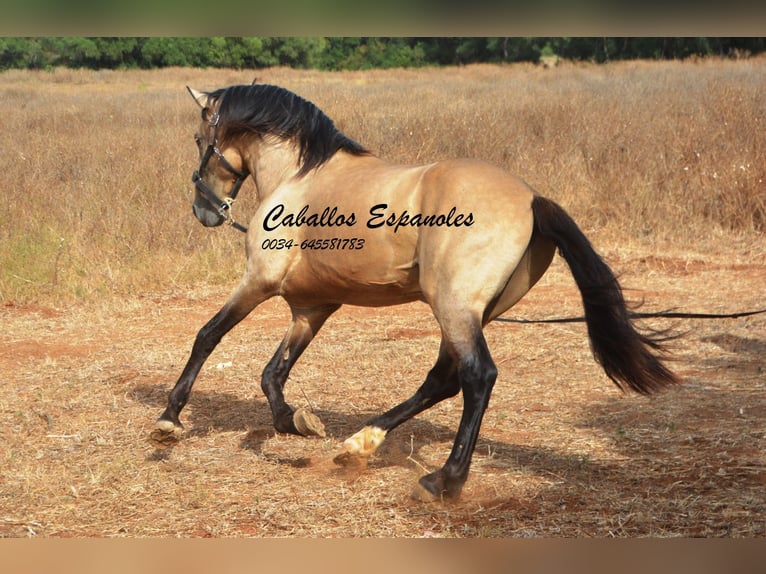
199	97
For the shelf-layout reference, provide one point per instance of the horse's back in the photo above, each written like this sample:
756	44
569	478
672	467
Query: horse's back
477	177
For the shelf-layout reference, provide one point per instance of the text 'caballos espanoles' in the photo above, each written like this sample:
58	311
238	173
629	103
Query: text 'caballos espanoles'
379	216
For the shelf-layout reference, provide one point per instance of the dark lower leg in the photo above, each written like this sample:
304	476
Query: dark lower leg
207	339
441	383
477	374
305	325
273	381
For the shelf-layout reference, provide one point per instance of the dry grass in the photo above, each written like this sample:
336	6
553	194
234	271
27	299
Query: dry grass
561	453
98	163
106	278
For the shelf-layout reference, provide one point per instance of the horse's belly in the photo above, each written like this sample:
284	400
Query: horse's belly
358	281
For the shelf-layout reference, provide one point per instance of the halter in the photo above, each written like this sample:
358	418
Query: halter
223	206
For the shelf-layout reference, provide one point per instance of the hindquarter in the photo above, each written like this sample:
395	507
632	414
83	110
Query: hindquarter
471	266
533	264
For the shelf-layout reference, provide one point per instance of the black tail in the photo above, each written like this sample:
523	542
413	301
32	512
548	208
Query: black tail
624	353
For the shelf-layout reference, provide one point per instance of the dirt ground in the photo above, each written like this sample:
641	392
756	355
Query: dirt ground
562	452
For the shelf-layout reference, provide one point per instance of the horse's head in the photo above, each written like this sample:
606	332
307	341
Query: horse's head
220	173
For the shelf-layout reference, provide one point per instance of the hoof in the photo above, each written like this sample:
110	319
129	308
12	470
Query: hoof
166	433
436	487
422	494
308	424
359	447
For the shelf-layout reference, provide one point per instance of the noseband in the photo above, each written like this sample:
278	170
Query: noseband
222	205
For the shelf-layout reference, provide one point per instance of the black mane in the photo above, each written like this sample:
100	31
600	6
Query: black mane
270	110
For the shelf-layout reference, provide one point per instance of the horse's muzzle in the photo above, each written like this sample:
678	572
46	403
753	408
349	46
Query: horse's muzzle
208	217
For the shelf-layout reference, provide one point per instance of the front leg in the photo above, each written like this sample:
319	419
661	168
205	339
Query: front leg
168	426
304	327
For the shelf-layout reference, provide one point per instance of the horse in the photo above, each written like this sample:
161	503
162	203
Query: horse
336	225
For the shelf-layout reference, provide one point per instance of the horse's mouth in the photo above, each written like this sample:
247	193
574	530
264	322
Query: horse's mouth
207	217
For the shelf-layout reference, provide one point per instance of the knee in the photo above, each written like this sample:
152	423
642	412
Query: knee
273	374
206	339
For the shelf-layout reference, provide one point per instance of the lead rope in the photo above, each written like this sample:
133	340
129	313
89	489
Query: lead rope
660	314
237	226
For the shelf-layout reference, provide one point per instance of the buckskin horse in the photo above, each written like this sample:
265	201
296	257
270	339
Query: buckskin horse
337	225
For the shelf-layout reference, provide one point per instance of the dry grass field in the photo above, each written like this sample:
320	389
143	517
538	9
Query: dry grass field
105	278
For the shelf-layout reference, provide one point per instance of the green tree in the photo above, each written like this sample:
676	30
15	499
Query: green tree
156	52
297	52
349	53
73	52
340	53
117	52
217	53
250	53
21	53
194	52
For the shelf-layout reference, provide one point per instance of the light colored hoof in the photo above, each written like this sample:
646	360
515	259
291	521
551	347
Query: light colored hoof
359	447
166	433
421	494
308	424
167	427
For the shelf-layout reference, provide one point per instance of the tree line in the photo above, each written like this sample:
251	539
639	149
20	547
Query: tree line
347	53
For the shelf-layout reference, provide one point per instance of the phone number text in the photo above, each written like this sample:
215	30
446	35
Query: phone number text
335	243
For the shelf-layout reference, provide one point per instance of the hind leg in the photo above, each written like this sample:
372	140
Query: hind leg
459	308
305	325
476	373
467	366
441	383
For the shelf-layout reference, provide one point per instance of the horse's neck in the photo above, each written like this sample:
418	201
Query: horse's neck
272	163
